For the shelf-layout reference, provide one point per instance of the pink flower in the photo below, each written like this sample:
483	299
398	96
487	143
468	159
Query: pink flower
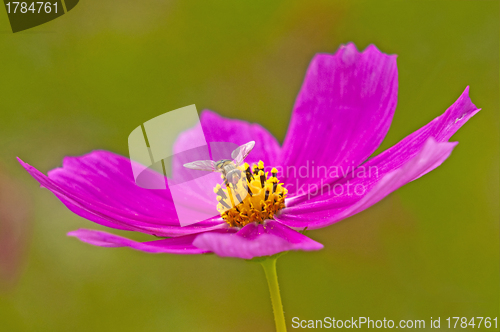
342	113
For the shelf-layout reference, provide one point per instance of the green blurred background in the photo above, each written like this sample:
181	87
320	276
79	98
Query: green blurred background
85	80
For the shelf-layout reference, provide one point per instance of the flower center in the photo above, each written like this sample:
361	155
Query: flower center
254	197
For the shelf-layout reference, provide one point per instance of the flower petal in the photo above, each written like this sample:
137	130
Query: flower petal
343	111
219	129
441	129
177	245
256	240
325	212
99	186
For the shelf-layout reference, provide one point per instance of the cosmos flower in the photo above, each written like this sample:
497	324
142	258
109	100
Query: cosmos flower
321	174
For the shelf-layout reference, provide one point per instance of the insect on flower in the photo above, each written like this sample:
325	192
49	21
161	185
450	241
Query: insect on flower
228	168
231	174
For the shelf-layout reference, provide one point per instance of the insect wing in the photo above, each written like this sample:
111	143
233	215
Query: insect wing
241	152
202	165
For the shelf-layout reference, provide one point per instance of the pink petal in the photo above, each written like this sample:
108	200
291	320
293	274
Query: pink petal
219	129
99	186
256	240
177	245
325	212
441	128
343	110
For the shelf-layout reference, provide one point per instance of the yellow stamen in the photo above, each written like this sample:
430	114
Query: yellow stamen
257	198
230	195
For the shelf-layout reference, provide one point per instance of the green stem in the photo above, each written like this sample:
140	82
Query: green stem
269	266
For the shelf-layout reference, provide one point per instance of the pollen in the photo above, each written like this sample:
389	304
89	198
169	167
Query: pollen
255	197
